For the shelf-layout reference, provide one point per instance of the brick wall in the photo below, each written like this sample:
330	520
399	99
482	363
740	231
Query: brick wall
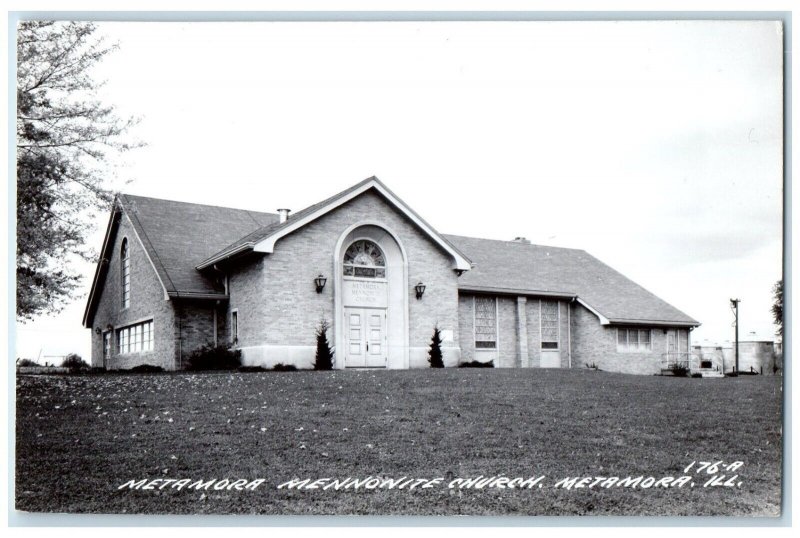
507	344
532	312
466	327
147	302
593	343
194	326
507	337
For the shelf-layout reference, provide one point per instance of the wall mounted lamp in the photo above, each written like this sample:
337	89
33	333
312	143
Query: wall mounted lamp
420	289
97	330
319	283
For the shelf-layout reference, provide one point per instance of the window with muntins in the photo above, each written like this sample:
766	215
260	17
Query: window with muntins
549	324
126	274
135	338
485	323
364	259
629	340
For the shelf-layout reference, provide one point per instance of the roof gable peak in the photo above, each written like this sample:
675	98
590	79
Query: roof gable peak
264	239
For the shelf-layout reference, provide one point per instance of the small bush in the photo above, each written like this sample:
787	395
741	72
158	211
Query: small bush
435	353
23	363
211	357
74	362
285	367
591	366
477	364
324	357
146	369
698	374
251	369
679	370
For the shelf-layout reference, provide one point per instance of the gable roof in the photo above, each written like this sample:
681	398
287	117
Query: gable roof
179	238
264	239
174	236
521	268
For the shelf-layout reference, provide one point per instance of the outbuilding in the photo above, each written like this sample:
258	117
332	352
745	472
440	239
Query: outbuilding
175	276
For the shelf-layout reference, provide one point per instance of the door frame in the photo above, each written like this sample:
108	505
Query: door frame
396	315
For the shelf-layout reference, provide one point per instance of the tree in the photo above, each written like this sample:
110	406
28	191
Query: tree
74	362
777	306
324	356
435	352
65	138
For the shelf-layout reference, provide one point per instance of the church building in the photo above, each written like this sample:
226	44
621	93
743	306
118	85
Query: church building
175	276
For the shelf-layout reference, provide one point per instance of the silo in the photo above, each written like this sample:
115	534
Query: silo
757	356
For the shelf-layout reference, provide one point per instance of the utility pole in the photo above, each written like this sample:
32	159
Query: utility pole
735	309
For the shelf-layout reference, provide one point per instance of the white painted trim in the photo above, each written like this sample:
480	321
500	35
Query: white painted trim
267	244
140	321
98	270
627	349
654	323
603	320
144	249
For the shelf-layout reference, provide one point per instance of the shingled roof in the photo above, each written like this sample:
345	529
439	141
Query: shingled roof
177	235
249	240
181	237
263	240
522	268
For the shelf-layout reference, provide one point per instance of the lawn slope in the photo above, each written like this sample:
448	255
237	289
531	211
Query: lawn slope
80	437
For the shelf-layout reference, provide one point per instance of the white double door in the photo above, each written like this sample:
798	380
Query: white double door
365	330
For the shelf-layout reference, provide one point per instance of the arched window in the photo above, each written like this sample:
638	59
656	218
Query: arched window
126	273
364	259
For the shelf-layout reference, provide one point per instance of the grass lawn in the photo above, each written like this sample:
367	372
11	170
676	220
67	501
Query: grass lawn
80	437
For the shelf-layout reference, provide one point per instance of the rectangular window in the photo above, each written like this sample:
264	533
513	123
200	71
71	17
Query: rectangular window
631	340
549	324
235	326
485	323
135	338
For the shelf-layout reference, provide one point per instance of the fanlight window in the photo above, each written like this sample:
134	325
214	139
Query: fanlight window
364	259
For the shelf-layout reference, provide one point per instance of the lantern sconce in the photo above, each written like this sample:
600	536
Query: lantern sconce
319	283
420	289
97	330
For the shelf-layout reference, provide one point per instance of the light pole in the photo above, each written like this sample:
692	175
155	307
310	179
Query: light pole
735	309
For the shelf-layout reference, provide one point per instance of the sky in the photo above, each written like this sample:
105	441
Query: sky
654	146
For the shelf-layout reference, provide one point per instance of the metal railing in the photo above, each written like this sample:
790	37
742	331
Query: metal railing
691	361
679	359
